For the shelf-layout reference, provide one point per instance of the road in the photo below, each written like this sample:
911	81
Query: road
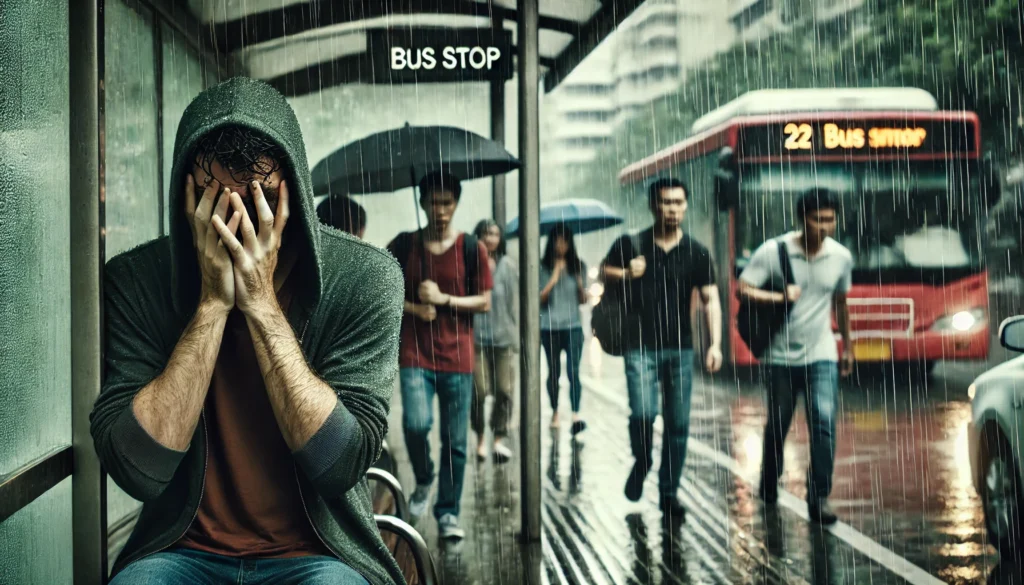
908	510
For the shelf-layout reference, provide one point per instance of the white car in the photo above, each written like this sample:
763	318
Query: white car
997	420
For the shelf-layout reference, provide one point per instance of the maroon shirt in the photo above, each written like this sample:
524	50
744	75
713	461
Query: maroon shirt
445	344
251	506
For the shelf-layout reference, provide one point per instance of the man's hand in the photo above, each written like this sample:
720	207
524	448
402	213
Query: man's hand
255	257
218	282
426	312
430	294
713	359
792	293
637	267
846	362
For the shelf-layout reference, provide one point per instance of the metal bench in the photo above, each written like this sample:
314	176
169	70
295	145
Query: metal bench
391	512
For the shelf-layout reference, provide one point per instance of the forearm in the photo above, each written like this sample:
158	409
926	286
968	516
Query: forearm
300	400
545	293
472	304
410	307
843	317
713	313
613	273
751	293
168	408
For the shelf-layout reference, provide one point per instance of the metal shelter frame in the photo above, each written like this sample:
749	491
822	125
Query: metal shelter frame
225	43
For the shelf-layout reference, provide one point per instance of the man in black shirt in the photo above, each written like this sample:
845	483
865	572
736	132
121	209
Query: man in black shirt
660	278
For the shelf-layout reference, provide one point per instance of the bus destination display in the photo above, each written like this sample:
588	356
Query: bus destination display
794	138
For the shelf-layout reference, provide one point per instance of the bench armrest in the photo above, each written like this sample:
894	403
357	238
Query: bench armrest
424	562
401	506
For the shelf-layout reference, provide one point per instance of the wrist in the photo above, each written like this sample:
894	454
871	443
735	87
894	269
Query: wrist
214	306
448	300
261	311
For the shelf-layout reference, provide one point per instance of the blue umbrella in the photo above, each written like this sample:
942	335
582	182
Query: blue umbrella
582	215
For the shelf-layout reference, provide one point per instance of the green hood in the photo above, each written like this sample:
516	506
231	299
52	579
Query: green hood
252	104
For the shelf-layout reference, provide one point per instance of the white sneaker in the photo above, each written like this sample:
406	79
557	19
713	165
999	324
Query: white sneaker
448	526
418	500
502	454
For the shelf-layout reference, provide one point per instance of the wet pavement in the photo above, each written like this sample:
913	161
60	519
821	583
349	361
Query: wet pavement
908	511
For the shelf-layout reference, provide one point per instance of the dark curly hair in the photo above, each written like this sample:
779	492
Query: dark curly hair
245	153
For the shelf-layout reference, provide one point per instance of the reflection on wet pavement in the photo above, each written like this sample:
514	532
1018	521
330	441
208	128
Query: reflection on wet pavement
902	482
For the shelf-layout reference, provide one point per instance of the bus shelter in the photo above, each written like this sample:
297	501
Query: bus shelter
116	106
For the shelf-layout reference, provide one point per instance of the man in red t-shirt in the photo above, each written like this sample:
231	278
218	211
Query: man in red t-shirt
436	355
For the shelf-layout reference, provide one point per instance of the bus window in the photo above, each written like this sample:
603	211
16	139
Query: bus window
896	218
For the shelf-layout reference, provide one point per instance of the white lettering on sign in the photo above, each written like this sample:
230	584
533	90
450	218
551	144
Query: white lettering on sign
451	58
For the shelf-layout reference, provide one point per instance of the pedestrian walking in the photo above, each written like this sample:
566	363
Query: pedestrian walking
802	356
563	290
661	267
447	282
497	344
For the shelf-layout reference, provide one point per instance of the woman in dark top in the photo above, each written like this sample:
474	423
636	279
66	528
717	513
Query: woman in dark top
496	335
563	290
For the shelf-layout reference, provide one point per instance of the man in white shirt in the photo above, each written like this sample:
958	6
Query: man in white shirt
803	355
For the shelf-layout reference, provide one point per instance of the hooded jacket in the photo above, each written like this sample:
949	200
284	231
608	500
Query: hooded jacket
346	312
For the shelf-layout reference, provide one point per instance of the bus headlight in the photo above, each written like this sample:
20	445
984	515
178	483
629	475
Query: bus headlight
961	321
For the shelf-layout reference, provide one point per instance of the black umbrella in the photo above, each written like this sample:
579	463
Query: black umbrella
401	157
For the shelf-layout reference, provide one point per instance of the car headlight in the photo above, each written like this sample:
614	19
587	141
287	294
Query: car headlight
971	391
961	321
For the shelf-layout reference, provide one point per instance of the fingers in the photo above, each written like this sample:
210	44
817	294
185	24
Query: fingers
248	230
190	197
221	212
205	206
283	210
263	212
229	240
236	218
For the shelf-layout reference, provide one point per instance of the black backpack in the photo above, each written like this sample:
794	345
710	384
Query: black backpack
402	247
613	324
759	323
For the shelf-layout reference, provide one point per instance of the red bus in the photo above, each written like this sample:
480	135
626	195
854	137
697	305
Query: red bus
913	203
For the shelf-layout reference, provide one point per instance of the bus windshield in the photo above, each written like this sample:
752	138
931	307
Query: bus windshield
903	221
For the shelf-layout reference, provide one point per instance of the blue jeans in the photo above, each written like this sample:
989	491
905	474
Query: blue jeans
182	566
455	393
570	341
671	370
820	383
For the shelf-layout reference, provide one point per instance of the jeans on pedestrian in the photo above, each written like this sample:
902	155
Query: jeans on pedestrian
494	373
819	382
570	341
182	566
454	393
671	371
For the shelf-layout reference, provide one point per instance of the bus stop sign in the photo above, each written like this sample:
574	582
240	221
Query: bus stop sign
437	55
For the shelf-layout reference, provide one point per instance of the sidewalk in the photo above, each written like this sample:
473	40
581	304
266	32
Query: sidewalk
592	534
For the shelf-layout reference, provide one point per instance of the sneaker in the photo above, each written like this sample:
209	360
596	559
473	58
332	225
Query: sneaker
481	452
418	500
822	513
502	454
578	426
448	527
635	483
672	508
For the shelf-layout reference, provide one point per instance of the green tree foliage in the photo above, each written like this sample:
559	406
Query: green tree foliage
967	53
